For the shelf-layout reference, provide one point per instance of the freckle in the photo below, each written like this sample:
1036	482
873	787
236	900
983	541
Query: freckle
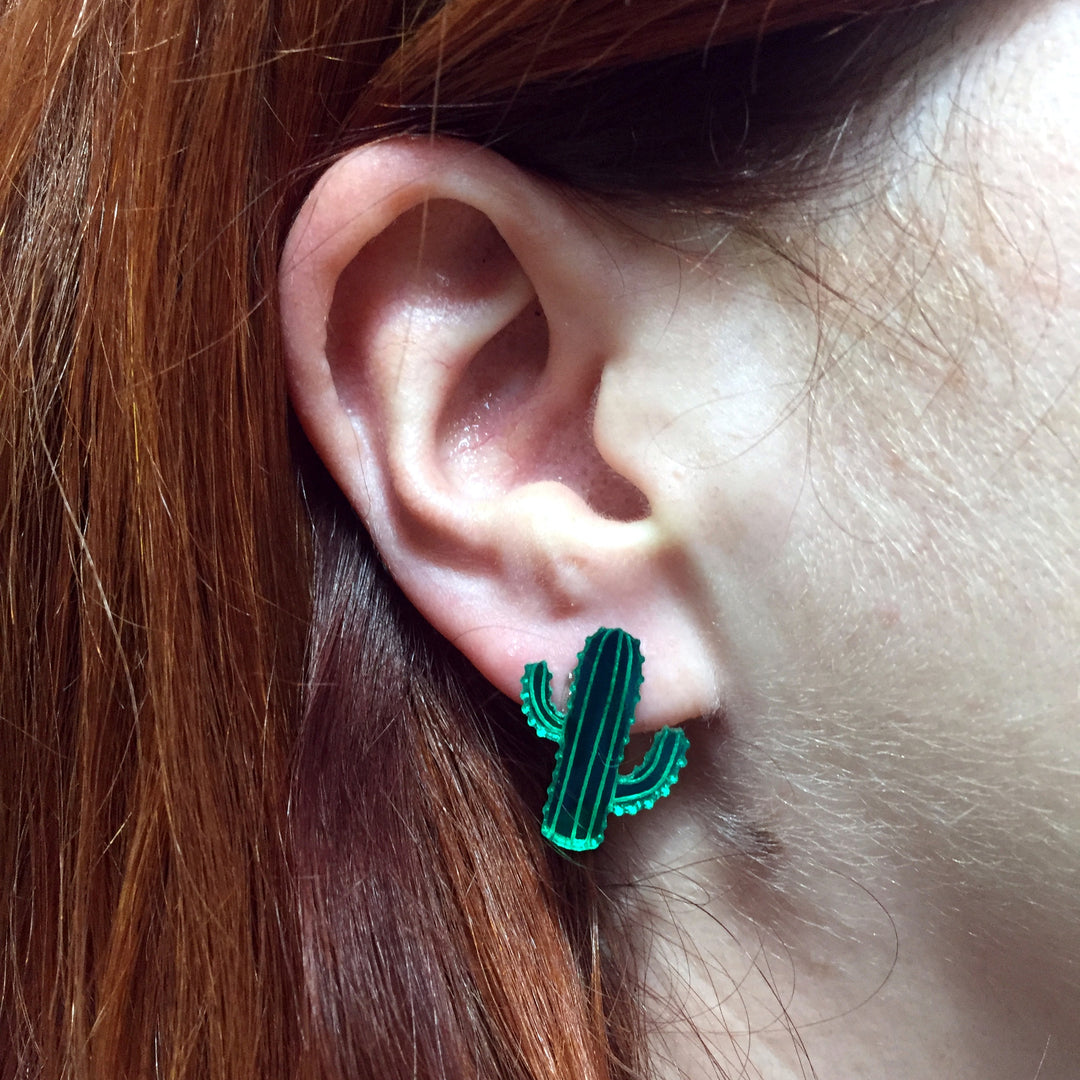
888	614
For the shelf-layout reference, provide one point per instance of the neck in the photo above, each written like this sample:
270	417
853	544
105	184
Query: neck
782	941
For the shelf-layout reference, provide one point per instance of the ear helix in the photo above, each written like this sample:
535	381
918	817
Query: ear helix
586	786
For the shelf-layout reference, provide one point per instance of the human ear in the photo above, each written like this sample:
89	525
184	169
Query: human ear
455	330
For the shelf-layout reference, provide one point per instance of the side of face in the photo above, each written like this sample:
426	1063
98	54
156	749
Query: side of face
830	482
885	519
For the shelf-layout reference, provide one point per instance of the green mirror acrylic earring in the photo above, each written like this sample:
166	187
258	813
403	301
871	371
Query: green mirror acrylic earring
592	734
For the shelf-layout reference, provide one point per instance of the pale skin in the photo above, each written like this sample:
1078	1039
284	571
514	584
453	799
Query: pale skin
860	553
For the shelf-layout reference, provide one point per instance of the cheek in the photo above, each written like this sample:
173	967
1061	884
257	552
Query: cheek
925	612
946	429
879	493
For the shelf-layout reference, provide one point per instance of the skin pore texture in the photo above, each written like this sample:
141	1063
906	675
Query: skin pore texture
875	469
836	498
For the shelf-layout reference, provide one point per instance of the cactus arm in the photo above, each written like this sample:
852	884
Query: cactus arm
543	717
654	777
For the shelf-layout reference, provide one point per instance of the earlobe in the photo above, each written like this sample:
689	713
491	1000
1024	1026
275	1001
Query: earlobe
449	321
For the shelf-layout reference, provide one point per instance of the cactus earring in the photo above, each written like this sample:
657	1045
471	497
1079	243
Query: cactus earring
592	734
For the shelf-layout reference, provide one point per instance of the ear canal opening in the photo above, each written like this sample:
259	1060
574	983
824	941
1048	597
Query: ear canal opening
608	492
509	422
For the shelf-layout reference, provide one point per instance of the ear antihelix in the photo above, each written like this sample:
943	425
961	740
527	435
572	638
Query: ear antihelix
586	785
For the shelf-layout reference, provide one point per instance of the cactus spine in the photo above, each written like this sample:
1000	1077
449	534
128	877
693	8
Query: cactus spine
592	734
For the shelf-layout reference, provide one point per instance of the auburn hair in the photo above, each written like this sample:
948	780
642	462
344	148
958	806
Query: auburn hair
256	819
